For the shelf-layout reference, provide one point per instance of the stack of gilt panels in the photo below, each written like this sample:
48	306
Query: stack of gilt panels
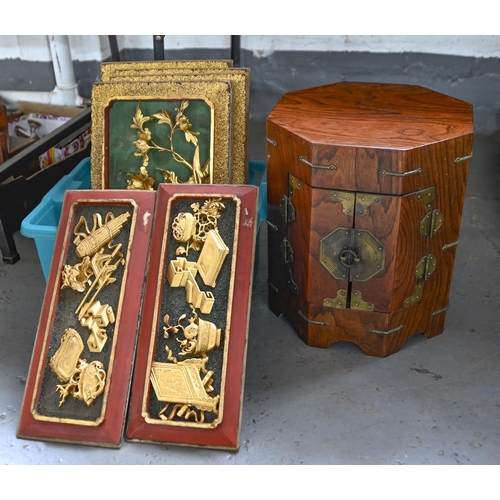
173	122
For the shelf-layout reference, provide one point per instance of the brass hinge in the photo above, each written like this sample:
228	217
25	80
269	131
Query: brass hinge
355	202
287	209
291	284
425	267
416	297
358	303
286	251
426	196
431	223
293	184
339	302
346	198
364	201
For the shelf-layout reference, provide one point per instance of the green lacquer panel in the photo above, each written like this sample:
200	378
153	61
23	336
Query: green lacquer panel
122	158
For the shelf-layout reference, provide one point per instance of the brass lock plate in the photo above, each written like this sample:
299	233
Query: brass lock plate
352	254
331	248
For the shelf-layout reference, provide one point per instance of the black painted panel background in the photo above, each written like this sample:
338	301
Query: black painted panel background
65	317
173	301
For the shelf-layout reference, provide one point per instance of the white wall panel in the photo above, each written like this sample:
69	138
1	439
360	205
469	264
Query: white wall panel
175	41
460	45
26	47
88	47
9	46
96	47
36	47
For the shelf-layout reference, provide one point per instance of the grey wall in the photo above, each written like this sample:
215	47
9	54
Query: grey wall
473	80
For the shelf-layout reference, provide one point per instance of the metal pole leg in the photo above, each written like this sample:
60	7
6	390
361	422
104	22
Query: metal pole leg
159	47
7	246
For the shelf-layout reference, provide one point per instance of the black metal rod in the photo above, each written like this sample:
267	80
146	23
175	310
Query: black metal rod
159	47
113	45
236	49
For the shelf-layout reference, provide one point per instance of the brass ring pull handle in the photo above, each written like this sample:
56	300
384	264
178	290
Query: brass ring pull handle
399	174
349	258
330	166
313	322
385	332
463	158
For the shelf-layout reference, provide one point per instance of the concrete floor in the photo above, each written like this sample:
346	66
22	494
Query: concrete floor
437	401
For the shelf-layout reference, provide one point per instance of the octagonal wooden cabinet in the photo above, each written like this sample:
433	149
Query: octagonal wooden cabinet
366	184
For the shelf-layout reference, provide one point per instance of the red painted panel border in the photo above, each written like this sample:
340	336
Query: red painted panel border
109	431
226	434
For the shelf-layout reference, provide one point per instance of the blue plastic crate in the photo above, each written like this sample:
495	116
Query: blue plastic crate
41	224
257	176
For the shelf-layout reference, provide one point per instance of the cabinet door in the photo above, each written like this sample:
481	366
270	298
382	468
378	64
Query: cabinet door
356	250
376	231
316	215
355	244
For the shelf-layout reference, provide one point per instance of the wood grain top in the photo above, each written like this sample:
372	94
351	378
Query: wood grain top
377	115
